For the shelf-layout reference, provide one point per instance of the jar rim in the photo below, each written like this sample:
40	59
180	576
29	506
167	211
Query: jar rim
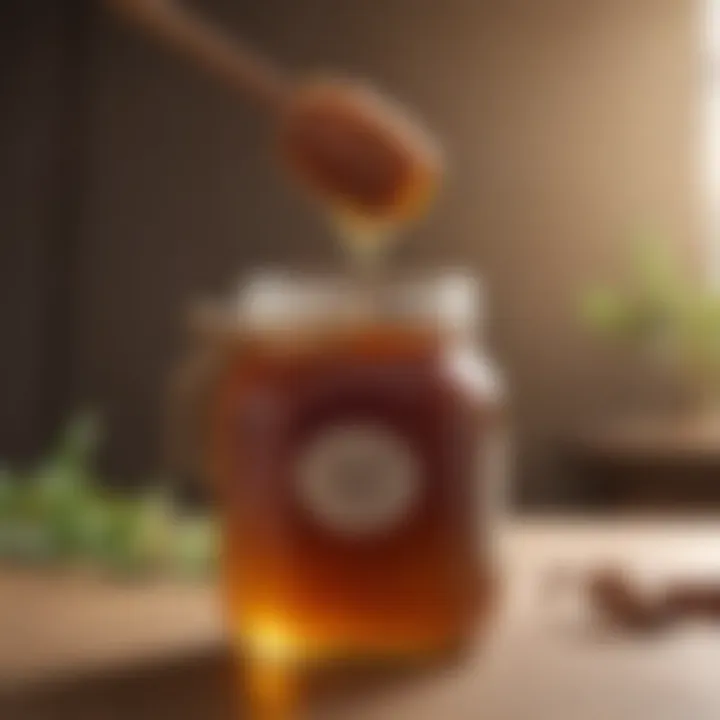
445	298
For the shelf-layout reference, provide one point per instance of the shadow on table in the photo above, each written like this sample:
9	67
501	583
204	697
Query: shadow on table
198	688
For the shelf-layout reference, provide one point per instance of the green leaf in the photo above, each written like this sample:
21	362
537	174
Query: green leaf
26	543
8	493
605	310
70	463
658	274
154	530
81	438
197	547
117	539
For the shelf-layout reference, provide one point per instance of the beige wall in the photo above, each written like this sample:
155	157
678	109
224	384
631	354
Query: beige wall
564	121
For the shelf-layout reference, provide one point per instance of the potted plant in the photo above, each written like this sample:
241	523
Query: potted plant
659	309
61	515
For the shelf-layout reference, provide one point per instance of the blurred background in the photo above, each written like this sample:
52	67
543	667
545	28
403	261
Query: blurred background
133	186
583	146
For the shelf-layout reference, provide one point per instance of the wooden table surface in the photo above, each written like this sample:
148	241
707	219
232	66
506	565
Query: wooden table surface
69	649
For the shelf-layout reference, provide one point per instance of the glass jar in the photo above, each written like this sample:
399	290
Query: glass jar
348	427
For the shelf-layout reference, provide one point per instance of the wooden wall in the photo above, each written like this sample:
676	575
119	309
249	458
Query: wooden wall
564	122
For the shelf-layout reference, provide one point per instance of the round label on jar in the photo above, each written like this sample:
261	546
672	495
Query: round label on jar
359	479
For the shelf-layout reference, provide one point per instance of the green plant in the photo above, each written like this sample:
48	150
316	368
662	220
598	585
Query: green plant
660	308
61	513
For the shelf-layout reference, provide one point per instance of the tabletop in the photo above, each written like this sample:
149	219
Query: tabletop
661	438
74	648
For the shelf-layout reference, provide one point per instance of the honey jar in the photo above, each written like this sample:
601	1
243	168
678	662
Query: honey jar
348	431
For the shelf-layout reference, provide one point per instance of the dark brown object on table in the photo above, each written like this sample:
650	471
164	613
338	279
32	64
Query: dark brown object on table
694	600
617	599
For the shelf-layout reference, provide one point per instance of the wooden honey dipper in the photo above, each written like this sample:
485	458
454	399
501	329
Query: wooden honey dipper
348	146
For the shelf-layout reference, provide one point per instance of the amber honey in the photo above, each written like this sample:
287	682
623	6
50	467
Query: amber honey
348	463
